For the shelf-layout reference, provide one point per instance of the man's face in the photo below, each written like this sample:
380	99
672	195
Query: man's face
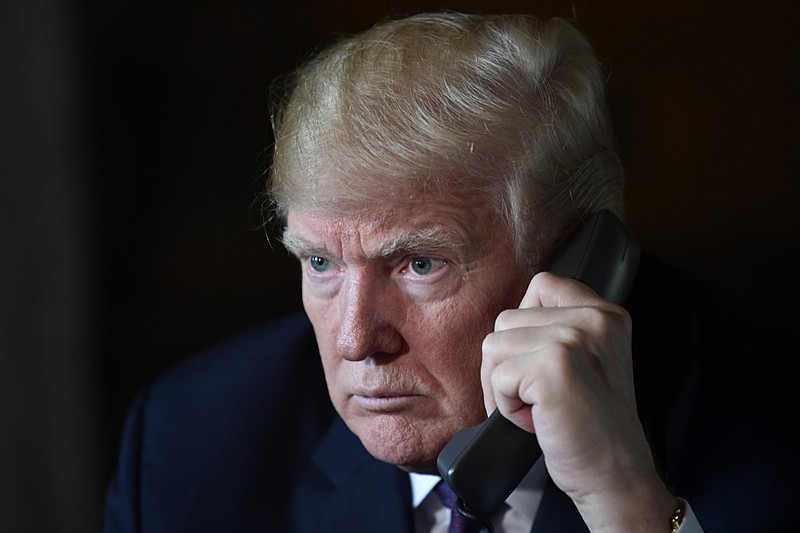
401	298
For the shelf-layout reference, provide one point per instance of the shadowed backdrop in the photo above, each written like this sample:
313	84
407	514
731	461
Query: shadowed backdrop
134	137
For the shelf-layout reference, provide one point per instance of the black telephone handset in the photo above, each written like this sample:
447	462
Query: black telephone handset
483	464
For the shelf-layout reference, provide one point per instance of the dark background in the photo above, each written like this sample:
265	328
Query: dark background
133	138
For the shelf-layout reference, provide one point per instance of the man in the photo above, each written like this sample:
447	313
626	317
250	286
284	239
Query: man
425	171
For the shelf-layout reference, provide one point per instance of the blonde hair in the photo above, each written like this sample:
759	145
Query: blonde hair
508	106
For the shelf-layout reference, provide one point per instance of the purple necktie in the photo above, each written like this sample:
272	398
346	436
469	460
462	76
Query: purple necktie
458	522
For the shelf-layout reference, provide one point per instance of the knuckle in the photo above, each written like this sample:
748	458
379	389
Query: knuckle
489	347
563	363
571	338
498	380
604	320
504	319
596	318
624	319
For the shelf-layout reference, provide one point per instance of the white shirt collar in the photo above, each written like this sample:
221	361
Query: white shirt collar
421	486
527	496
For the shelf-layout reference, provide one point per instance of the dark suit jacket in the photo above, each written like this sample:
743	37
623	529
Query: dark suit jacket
243	437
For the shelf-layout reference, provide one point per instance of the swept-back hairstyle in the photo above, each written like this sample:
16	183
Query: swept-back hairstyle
506	106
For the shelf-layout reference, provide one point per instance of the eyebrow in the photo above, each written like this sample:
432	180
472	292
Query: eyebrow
427	239
434	239
299	246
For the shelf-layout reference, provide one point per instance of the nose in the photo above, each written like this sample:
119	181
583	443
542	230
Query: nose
366	329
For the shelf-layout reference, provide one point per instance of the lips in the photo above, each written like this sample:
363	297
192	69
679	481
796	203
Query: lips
384	404
384	400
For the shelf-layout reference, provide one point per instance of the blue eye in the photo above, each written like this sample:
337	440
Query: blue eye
319	264
422	266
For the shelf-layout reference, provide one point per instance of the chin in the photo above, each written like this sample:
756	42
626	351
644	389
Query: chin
405	458
409	446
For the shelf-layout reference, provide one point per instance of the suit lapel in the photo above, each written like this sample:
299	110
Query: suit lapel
353	491
346	489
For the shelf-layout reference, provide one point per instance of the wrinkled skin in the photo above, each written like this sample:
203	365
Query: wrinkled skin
425	322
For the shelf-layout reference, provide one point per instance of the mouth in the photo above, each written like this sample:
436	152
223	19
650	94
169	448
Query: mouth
384	401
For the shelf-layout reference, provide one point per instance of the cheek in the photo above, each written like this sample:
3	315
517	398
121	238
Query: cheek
452	347
320	313
325	329
459	329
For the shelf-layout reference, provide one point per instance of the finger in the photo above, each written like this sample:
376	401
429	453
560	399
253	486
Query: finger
489	361
512	386
550	290
522	343
501	345
532	317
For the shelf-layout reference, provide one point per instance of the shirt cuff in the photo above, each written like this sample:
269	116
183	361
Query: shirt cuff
690	523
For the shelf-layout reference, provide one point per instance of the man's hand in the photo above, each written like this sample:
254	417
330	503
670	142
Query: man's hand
561	366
